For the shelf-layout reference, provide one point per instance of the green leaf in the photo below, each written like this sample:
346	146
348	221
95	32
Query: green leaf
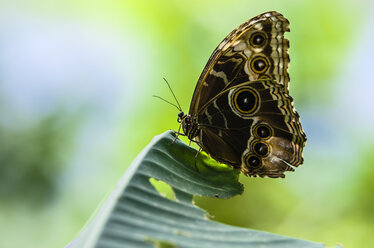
137	215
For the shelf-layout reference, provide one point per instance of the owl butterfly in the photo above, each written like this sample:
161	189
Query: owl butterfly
241	113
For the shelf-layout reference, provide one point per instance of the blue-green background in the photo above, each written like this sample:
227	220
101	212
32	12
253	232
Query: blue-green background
76	80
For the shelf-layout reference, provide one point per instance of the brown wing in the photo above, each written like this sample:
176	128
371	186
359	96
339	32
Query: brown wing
256	49
253	126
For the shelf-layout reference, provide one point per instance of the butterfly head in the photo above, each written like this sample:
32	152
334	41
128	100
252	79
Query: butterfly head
180	116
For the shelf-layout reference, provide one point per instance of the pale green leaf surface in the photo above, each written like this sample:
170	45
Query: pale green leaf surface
137	215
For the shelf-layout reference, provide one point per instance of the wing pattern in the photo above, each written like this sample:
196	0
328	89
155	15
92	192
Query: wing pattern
241	106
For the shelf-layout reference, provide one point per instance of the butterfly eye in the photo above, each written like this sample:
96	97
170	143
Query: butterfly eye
263	131
261	149
253	161
257	39
246	101
259	65
180	114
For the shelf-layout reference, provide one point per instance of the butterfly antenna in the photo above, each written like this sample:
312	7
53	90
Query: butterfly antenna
180	109
167	101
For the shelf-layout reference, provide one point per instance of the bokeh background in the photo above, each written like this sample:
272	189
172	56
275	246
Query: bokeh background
76	107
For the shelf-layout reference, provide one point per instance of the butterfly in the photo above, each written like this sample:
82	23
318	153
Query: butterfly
241	112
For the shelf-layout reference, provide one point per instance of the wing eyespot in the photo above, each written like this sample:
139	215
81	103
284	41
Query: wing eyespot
264	76
263	131
261	149
253	162
259	65
246	101
258	39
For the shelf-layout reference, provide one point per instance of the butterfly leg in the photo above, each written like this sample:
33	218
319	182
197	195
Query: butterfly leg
177	134
195	160
196	142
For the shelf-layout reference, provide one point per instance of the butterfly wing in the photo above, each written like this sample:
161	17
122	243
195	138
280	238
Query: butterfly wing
256	49
241	104
253	125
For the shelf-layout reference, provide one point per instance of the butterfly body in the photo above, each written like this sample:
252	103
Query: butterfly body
241	112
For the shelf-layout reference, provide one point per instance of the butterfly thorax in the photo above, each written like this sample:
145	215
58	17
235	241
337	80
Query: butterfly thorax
189	125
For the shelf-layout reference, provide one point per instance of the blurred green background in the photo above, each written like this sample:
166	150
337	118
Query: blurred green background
76	80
